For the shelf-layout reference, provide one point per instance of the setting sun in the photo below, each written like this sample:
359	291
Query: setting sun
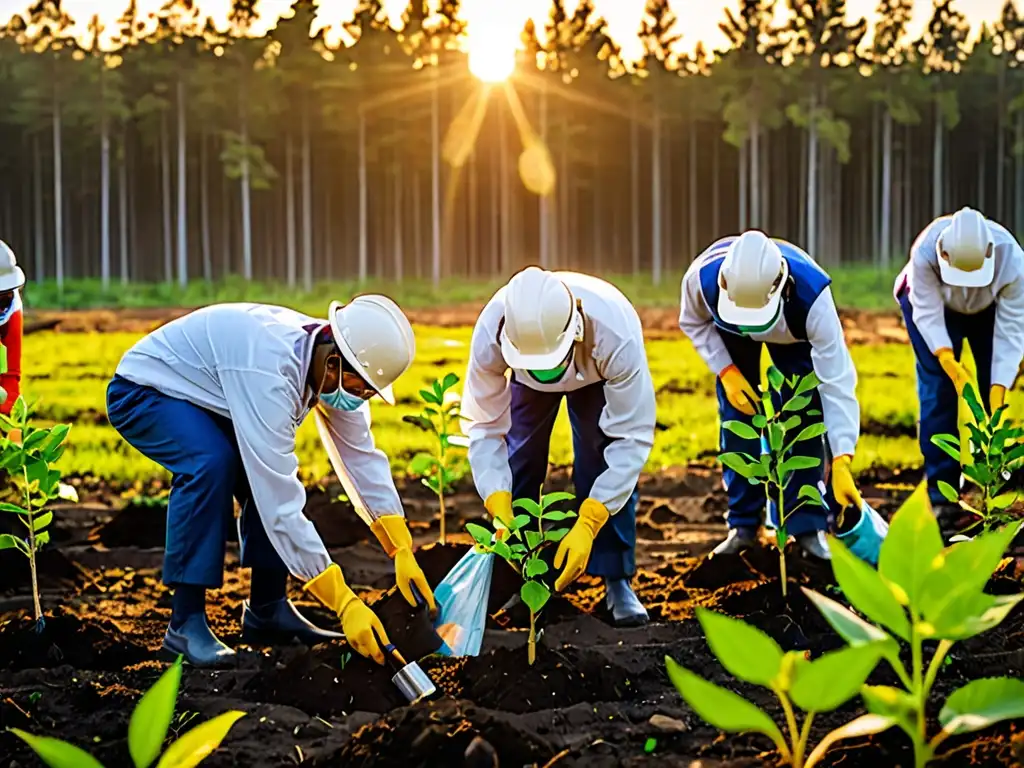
491	65
492	37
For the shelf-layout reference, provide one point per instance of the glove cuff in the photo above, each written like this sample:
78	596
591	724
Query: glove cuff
844	459
944	353
728	369
331	590
593	515
393	533
499	505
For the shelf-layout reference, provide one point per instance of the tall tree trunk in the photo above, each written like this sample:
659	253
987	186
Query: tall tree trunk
980	197
812	180
104	185
1018	186
226	216
204	208
1001	145
39	241
656	158
885	245
597	246
473	217
634	188
328	234
398	235
875	148
545	199
246	190
291	247
165	197
307	199
58	194
494	263
364	224
716	209
182	190
744	168
754	131
692	195
122	205
505	181
937	163
435	184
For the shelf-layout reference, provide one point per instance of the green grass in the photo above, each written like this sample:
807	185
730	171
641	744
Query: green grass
67	375
857	287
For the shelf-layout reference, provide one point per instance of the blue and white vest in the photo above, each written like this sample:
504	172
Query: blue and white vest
806	283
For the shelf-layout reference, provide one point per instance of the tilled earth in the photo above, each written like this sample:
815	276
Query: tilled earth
597	696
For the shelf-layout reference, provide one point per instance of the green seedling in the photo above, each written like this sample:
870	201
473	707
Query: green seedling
30	461
147	731
816	686
779	426
443	468
520	544
922	593
994	454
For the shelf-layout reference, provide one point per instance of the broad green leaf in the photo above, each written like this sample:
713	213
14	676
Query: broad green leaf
42	539
533	539
745	651
502	550
519	521
795	463
148	726
811	493
196	745
865	725
536	567
810	432
775	378
41	521
791	423
853	629
737	463
535	595
19	411
423	464
555	535
57	437
796	404
948	445
758	421
948	492
557	516
420	421
721	707
830	681
971	398
968	615
982	703
430	397
910	549
893	703
36	470
56	753
806	384
963	570
741	429
449	381
775	436
480	534
1003	501
13	509
7	541
867	590
34	439
554	498
529	505
438	392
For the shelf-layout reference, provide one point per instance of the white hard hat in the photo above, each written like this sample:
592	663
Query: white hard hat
966	251
751	280
11	275
376	339
541	320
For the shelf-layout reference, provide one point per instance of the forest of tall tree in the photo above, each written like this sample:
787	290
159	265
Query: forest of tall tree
182	152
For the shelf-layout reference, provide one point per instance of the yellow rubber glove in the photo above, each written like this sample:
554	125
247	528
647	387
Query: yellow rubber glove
574	549
393	534
738	390
361	626
956	372
499	507
996	397
843	487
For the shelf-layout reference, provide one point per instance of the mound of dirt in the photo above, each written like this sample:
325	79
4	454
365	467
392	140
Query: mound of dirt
54	571
65	638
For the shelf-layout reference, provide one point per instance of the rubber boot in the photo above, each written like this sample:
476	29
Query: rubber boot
739	540
279	623
624	605
196	642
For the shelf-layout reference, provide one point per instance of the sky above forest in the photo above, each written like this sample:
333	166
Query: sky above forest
698	19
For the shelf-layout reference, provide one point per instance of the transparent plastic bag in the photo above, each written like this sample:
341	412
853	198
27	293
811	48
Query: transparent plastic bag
462	604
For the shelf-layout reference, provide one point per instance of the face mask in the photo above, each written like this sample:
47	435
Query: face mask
551	375
341	400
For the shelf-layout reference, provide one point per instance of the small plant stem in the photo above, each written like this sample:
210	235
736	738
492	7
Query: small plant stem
440	501
920	695
782	548
32	547
935	664
794	731
801	746
441	473
531	644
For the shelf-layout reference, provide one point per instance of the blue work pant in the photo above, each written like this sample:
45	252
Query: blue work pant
746	500
935	389
200	451
529	441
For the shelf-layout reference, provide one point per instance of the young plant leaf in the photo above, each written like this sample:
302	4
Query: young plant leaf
520	521
480	534
430	396
41	521
971	398
796	404
423	464
758	421
968	615
910	549
535	595
948	492
196	745
812	494
893	703
867	590
982	703
738	464
740	429
775	378
13	509
810	432
721	707
449	381
56	753
795	463
556	497
853	629
830	681
865	725
557	516
555	536
948	445
528	505
533	538
745	651
535	567
148	726
806	384
7	541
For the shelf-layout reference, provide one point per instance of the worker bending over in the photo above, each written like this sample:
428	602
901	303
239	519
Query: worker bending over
543	337
750	291
216	398
964	280
12	280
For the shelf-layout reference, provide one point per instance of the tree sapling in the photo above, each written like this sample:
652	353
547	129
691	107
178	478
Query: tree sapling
30	461
147	731
520	544
995	453
777	420
443	468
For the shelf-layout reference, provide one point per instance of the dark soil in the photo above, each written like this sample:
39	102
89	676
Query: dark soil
595	697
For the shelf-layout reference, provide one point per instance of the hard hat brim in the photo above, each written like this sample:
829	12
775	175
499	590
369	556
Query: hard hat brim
522	362
13	280
979	278
732	313
387	393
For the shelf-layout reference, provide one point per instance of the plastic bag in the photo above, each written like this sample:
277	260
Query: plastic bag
462	604
865	539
